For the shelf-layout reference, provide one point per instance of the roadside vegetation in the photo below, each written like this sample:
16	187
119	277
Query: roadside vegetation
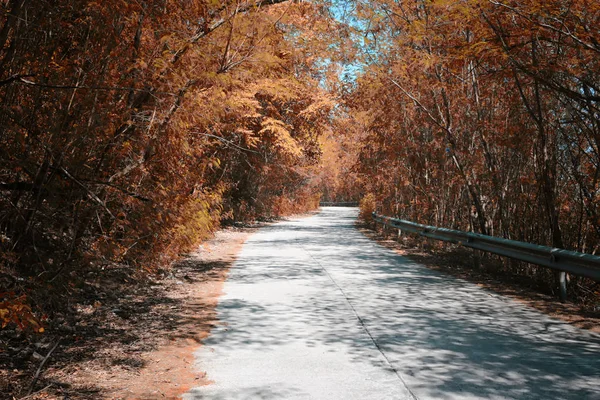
482	116
131	131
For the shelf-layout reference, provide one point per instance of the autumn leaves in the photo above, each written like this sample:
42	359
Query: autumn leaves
130	130
482	115
145	124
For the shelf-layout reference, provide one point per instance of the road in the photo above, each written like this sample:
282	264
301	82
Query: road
312	309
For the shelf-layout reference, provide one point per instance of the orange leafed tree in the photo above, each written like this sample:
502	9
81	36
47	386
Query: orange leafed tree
482	115
129	130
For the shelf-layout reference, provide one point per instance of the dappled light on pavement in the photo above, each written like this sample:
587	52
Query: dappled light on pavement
314	310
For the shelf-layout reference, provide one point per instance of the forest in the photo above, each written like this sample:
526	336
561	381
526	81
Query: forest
131	130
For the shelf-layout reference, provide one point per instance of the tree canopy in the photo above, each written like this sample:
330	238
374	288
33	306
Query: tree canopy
129	131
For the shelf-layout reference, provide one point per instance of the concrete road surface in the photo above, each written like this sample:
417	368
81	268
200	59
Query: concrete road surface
314	310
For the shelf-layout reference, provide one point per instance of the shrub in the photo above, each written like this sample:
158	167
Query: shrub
367	207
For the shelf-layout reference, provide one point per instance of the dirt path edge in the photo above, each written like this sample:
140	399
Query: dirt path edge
142	345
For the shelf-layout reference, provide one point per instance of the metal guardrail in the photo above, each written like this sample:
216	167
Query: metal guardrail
338	204
581	264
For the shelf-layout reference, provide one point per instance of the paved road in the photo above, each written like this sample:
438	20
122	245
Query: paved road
314	310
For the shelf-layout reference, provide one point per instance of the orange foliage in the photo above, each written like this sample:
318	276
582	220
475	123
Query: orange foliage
15	310
129	130
482	115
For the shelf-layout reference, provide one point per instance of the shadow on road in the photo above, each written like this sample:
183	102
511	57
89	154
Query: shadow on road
447	338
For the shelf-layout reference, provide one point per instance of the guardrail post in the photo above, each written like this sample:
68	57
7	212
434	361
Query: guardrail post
560	260
562	285
477	260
